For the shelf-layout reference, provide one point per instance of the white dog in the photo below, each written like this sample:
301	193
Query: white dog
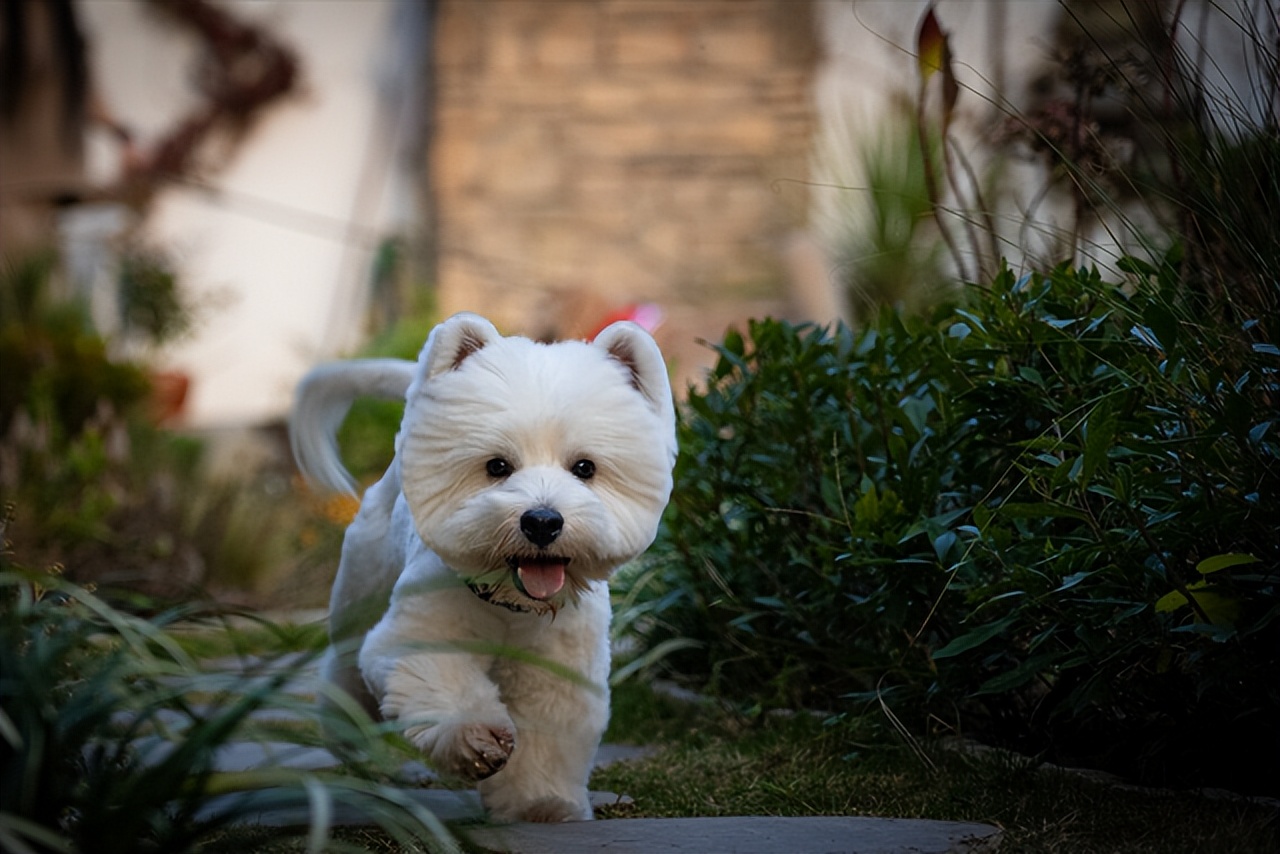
524	474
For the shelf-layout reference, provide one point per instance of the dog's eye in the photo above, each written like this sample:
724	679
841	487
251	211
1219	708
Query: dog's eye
583	469
498	467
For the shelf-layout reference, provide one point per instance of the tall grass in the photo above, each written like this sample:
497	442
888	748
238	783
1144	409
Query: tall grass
1149	125
110	733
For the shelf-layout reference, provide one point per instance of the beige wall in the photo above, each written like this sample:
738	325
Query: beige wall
587	154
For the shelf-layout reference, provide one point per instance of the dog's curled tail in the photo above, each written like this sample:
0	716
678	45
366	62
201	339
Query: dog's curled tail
323	399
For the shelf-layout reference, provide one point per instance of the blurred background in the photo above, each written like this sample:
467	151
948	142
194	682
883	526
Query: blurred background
229	191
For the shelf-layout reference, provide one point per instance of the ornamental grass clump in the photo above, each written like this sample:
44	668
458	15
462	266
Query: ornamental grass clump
110	735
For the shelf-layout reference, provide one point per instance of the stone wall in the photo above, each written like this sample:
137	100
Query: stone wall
588	154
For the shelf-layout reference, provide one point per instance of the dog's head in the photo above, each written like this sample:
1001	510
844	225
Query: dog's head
530	468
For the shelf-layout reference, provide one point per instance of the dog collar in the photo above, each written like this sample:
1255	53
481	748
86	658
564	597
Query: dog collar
503	596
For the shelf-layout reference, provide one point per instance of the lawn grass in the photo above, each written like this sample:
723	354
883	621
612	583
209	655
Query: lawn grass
715	763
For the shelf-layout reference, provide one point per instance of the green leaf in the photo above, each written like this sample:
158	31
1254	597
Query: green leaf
733	342
977	637
867	508
1220	609
1220	562
1146	336
651	657
1071	581
1020	675
1162	322
1031	375
943	544
1099	433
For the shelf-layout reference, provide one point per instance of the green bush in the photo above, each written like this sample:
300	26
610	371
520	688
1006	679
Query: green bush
93	482
56	368
65	410
1046	517
152	303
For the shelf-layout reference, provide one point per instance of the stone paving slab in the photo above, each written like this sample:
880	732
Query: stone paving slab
255	755
732	835
448	805
742	835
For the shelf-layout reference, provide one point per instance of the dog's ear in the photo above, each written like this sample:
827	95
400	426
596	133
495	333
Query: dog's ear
636	350
452	341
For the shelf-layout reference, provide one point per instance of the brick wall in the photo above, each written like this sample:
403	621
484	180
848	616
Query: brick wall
591	153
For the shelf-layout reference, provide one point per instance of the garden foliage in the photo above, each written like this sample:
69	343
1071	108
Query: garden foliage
93	483
110	734
1046	516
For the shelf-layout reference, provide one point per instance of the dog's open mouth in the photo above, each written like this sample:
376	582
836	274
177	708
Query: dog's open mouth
538	576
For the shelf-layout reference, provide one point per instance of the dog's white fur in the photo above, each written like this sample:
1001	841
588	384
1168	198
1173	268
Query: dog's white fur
409	638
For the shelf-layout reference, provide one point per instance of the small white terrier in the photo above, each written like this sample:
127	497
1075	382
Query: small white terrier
524	474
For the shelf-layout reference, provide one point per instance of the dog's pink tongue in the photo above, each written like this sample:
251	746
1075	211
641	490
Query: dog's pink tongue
541	580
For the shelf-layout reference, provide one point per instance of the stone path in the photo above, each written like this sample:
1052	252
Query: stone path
735	835
741	835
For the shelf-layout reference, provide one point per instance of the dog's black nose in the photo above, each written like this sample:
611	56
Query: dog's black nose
541	526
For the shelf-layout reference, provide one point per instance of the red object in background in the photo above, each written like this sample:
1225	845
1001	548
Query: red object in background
169	391
646	314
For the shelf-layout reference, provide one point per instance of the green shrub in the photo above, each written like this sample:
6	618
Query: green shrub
1046	516
152	304
56	368
94	484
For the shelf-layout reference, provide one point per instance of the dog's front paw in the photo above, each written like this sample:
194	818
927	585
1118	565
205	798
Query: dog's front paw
473	750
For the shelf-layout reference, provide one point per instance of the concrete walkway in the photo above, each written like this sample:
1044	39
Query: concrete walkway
733	835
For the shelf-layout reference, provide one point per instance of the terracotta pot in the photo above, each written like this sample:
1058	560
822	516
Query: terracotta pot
169	391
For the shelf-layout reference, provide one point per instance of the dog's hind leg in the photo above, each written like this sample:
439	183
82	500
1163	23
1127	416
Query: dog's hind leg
371	560
339	670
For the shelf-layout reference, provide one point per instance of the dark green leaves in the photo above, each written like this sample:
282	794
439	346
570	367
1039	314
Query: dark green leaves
973	638
1060	496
